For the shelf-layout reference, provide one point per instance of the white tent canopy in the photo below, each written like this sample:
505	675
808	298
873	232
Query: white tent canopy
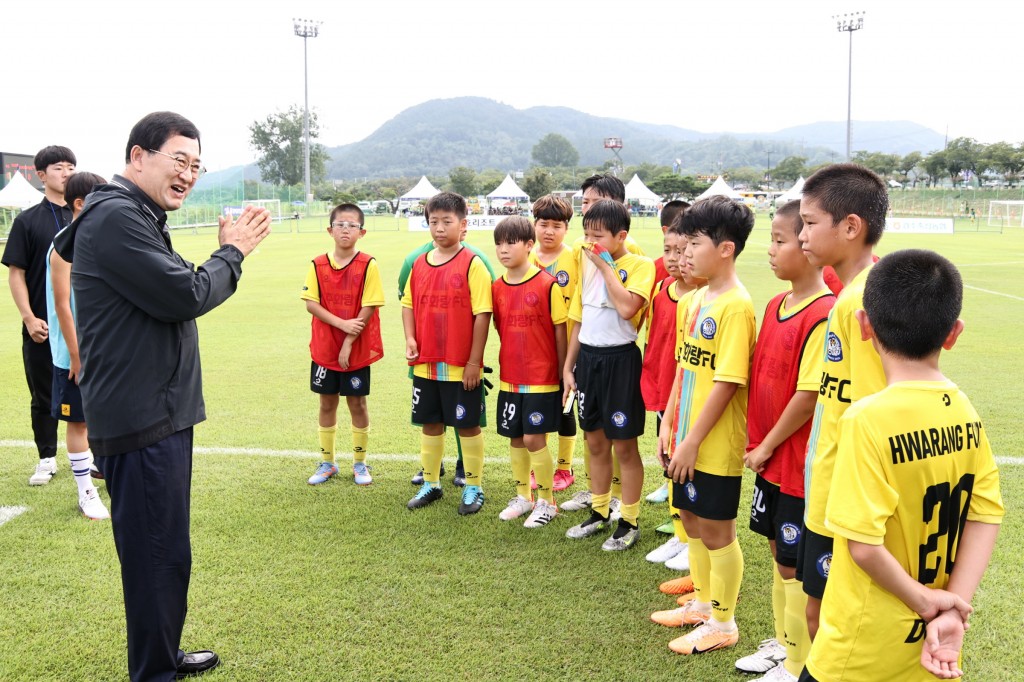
638	191
19	193
422	190
794	192
719	188
508	189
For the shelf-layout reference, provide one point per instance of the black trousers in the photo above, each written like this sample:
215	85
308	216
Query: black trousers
150	491
39	375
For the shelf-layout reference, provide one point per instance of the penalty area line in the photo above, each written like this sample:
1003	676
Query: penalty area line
994	293
8	513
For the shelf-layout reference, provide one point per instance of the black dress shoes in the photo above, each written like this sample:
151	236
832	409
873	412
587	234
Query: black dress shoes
197	663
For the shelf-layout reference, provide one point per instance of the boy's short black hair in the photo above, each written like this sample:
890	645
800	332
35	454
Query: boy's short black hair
612	215
913	298
791	210
671	210
550	207
513	230
47	156
845	188
449	202
676	226
153	130
348	208
721	219
607	185
80	185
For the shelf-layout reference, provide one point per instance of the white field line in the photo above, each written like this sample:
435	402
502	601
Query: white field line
382	456
989	265
994	293
8	513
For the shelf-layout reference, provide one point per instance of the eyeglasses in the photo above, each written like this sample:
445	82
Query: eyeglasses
345	225
181	163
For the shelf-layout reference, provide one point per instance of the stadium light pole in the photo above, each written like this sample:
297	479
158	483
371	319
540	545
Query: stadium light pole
305	29
849	23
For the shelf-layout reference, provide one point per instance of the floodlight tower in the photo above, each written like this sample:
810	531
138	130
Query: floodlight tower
306	28
849	23
615	144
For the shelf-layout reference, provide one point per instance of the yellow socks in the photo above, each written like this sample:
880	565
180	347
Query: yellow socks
521	470
778	606
586	462
326	435
797	641
616	477
473	459
431	454
630	512
566	448
360	436
726	576
544	472
599	503
700	570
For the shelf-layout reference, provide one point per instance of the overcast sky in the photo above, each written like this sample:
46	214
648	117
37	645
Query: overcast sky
81	73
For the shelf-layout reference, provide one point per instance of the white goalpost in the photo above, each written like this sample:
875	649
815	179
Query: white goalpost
1006	213
272	205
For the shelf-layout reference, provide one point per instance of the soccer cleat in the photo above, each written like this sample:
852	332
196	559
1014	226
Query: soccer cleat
542	514
95	473
324	471
577	502
671	618
614	513
427	494
659	496
684	598
472	500
92	506
592	526
45	470
517	506
459	480
677	586
660	555
777	674
417	478
624	537
533	481
361	473
667	528
563	479
770	653
703	639
681	561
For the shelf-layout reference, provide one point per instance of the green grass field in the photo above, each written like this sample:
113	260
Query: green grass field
343	583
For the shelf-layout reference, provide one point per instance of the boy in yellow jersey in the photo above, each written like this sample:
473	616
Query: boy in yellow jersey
603	365
917	515
446	312
551	216
783	391
707	429
343	293
529	314
843	208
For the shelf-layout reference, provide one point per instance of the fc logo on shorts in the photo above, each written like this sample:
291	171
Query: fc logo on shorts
708	328
460	412
691	491
790	534
619	419
824	563
622	276
536	418
356	382
562	277
833	348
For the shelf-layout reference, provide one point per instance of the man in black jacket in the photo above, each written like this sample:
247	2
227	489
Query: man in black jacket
141	385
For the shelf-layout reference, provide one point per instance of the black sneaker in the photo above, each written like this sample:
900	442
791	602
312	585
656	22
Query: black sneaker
427	495
460	474
417	479
472	500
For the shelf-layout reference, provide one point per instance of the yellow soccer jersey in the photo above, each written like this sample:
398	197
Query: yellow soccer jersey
915	465
852	370
566	271
480	300
715	342
373	291
600	323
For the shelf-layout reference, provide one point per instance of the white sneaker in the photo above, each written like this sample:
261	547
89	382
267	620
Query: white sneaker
577	502
768	656
661	554
542	514
517	506
614	513
681	561
44	471
777	674
92	506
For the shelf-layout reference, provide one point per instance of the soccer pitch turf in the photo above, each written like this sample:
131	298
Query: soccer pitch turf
336	581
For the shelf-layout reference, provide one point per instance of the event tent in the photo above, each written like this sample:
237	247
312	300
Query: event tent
719	188
19	193
422	190
508	189
794	192
638	191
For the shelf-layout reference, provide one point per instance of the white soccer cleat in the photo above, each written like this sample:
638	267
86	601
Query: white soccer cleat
770	653
660	555
45	470
516	507
681	561
92	506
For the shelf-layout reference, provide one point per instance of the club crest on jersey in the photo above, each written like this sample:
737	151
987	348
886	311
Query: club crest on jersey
356	382
833	348
824	563
536	418
562	278
622	276
708	328
460	411
531	299
790	534
619	419
457	281
691	491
